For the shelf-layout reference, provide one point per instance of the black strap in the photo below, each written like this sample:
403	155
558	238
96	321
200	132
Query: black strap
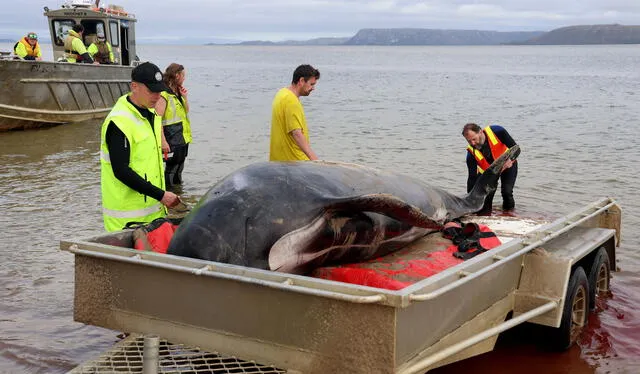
467	239
468	255
150	226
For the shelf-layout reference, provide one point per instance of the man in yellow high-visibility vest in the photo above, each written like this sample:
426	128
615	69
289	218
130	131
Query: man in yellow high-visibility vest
74	48
132	171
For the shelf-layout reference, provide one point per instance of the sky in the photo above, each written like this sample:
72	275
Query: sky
220	21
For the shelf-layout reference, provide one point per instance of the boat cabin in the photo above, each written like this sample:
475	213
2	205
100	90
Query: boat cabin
113	21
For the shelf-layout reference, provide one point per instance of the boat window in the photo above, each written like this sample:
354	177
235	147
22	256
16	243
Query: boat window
100	28
91	29
61	28
125	33
113	30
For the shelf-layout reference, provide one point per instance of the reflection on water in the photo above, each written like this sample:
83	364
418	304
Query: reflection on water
572	109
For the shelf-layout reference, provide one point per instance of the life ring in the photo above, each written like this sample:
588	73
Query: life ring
111	11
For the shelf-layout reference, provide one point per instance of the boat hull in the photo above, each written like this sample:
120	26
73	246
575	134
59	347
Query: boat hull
37	94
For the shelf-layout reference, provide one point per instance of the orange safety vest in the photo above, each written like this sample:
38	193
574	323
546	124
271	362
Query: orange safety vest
497	149
31	51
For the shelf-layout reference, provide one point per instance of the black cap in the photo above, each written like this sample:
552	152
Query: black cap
150	75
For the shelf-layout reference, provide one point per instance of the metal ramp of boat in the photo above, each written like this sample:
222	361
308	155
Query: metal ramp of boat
61	100
87	94
128	356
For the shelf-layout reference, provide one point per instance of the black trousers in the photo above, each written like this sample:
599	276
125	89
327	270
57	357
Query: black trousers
507	181
174	165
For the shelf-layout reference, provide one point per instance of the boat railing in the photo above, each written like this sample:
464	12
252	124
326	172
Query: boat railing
6	55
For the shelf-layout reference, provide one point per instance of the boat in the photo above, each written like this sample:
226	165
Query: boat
36	94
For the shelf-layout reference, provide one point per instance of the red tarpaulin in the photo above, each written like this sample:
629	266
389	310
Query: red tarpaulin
419	260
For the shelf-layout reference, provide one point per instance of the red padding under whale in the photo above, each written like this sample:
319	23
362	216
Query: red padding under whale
154	236
419	260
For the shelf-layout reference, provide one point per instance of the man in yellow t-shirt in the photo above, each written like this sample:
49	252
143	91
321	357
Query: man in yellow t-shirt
289	132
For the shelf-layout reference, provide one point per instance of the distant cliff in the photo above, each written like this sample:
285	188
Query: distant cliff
438	37
589	34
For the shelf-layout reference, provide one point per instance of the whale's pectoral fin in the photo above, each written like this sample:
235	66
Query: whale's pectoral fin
394	207
317	242
340	237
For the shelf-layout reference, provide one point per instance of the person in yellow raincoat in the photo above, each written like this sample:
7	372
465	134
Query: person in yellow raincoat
28	48
74	46
101	50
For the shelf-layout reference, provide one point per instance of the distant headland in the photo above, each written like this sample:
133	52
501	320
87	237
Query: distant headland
571	35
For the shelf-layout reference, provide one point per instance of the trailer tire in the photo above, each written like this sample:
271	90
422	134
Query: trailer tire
599	276
574	312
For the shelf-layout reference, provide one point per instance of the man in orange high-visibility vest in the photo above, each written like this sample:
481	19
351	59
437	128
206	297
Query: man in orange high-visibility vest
486	145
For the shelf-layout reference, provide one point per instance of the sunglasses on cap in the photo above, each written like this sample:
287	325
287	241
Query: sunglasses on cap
32	36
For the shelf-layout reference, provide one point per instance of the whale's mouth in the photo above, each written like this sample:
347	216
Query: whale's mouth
336	237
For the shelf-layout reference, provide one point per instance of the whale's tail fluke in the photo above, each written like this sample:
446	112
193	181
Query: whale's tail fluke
488	181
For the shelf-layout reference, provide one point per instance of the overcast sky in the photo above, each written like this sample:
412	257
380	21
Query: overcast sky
183	21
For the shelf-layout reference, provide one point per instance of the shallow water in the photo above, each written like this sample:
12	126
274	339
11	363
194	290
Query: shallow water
572	110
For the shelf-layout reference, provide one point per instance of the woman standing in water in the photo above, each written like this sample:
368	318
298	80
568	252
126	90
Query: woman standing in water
174	110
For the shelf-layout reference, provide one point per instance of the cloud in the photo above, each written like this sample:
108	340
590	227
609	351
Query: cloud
199	20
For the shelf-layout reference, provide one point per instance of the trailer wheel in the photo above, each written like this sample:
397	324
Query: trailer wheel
599	276
574	313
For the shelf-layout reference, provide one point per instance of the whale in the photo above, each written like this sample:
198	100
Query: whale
296	216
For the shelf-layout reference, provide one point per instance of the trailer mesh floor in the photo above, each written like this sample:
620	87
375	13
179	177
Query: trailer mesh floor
126	357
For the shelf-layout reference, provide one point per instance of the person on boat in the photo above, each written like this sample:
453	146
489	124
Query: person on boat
28	48
289	132
74	46
101	50
485	145
173	107
132	175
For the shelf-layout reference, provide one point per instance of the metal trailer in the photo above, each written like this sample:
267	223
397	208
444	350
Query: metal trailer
545	273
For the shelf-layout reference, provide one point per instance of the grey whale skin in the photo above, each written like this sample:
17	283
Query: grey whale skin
295	216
